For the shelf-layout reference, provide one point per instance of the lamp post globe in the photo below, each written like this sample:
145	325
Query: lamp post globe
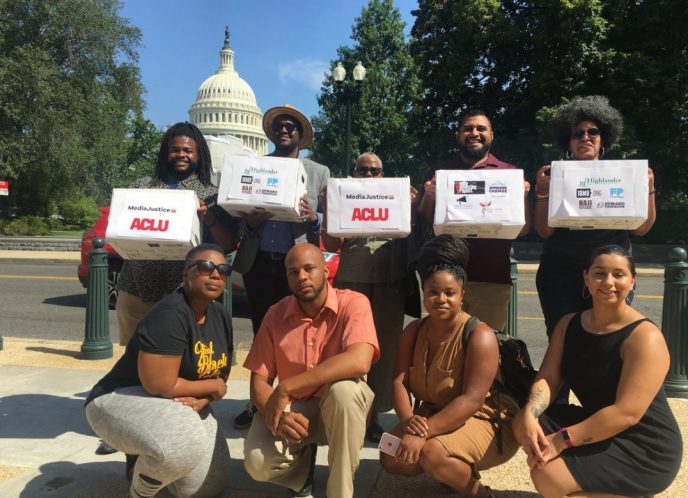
348	94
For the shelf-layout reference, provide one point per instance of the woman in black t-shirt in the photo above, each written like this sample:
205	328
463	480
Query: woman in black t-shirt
154	404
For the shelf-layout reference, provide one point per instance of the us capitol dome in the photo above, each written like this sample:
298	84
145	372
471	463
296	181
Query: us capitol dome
226	105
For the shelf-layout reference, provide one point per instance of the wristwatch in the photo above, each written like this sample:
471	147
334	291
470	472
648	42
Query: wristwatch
567	439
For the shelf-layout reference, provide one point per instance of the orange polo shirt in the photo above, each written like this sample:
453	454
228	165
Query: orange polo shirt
289	342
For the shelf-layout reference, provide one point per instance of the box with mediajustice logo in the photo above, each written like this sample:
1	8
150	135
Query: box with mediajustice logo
153	223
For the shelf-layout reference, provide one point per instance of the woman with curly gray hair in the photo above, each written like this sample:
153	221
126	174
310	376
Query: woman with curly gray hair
583	129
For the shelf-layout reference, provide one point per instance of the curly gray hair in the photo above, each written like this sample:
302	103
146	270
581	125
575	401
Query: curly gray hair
593	108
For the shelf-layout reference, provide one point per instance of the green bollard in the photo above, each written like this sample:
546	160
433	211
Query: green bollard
675	322
97	344
512	317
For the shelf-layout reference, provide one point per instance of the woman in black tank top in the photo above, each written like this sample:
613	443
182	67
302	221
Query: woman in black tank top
623	438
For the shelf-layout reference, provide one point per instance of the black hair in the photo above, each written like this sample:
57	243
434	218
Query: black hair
612	249
185	129
457	271
450	249
206	246
472	112
595	108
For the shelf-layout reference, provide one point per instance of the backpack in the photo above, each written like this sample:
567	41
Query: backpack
515	366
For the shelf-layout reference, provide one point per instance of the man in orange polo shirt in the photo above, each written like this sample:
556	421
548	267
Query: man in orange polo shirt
319	342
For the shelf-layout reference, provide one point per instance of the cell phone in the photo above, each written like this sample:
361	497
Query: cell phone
388	444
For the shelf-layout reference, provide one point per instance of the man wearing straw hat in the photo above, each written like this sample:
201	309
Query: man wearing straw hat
265	242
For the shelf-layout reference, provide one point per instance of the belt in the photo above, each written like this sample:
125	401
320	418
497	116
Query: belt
275	256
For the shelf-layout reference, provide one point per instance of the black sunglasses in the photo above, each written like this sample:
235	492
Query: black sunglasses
592	132
364	170
206	267
277	127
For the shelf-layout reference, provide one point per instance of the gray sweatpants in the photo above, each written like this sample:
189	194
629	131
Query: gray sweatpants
177	447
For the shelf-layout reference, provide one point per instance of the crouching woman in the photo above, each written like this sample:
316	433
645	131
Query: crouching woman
154	404
460	426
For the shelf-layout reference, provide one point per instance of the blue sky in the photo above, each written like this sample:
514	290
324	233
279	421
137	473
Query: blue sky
281	49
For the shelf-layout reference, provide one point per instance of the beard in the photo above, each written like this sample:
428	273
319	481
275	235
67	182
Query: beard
474	153
174	174
317	291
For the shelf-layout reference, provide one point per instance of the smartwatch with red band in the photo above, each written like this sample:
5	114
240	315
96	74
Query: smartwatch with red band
567	439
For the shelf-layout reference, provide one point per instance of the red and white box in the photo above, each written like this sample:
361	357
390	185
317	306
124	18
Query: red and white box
274	184
369	207
598	194
153	223
480	203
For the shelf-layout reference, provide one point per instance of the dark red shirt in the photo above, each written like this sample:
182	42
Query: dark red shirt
488	259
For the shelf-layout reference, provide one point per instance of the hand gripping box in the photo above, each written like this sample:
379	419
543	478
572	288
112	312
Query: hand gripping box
598	194
275	184
480	203
153	223
369	207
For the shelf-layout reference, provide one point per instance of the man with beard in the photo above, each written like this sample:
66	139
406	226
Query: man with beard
488	288
265	242
183	163
319	342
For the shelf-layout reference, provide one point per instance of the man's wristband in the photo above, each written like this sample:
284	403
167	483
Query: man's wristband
565	435
539	196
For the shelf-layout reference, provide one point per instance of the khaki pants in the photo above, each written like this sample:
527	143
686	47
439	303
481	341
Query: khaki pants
130	310
338	420
489	302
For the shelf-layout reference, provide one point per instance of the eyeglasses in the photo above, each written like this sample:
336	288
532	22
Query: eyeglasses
206	268
364	170
277	127
592	133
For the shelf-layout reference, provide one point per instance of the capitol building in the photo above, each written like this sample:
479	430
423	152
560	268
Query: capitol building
226	106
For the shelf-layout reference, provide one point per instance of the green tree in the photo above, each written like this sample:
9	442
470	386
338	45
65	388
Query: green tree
68	82
381	120
143	143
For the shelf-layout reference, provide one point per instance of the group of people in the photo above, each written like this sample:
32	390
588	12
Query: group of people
327	358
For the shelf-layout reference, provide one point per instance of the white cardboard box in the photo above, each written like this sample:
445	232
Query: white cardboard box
369	207
275	184
153	223
480	203
598	194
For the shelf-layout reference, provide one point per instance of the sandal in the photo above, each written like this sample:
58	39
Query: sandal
374	433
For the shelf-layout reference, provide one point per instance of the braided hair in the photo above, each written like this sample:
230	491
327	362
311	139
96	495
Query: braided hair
443	253
185	129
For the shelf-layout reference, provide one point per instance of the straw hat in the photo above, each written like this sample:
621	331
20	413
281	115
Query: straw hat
289	110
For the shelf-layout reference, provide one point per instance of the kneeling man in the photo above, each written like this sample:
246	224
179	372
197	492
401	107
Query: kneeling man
319	343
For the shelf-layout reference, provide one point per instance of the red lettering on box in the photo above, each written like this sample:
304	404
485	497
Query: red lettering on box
149	225
368	214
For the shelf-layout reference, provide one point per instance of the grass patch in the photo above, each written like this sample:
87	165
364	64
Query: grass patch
66	233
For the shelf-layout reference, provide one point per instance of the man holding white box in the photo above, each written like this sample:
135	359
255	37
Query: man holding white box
265	242
489	274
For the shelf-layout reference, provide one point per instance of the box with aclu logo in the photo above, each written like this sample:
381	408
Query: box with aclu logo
153	223
479	203
369	207
274	184
598	194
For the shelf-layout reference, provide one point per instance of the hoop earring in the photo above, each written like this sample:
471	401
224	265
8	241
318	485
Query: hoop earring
601	153
585	290
568	155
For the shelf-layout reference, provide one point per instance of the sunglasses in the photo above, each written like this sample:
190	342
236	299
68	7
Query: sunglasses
277	127
364	170
592	133
205	268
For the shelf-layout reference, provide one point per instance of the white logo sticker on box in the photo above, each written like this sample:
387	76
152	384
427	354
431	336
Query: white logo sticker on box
370	202
259	184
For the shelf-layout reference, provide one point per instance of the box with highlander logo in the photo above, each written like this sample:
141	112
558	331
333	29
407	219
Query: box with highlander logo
480	203
369	207
153	223
274	184
598	194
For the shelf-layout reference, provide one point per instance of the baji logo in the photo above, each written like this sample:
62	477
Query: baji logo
583	192
368	214
584	204
469	187
246	179
246	189
149	225
616	192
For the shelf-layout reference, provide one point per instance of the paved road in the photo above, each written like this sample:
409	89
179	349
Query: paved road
41	300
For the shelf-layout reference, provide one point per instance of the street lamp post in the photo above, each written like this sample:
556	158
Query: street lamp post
348	94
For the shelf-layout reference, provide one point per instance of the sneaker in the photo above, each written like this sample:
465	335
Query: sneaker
105	449
130	464
307	488
244	419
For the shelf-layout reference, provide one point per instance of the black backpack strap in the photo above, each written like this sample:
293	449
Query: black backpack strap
468	328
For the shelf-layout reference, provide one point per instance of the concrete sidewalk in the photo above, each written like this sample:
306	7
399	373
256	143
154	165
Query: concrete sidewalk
47	447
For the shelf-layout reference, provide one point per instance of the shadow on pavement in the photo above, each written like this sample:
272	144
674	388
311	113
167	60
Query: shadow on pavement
73	301
35	416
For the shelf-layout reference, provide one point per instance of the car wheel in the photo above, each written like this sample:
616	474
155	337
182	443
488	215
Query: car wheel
114	269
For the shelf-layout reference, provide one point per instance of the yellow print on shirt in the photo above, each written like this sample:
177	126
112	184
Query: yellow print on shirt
207	366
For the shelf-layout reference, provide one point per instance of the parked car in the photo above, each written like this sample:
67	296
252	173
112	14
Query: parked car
115	260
